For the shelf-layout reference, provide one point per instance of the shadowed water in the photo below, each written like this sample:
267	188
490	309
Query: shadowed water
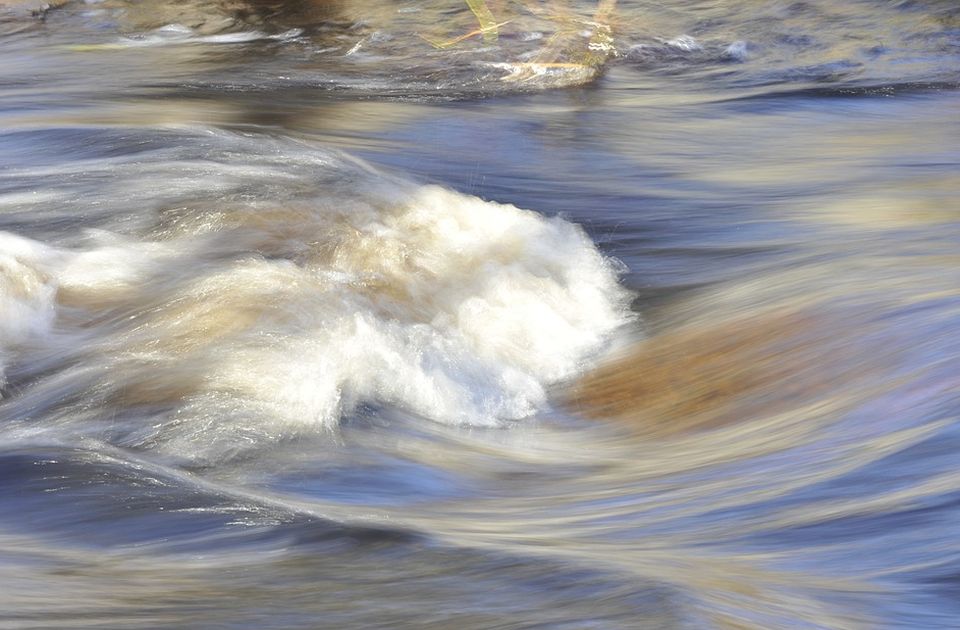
641	322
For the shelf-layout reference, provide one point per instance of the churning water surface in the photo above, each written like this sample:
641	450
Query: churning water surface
319	314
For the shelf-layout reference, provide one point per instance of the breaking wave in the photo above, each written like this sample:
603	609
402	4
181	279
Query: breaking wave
223	325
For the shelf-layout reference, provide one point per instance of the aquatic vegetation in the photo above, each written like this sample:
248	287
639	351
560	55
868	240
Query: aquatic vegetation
563	53
488	24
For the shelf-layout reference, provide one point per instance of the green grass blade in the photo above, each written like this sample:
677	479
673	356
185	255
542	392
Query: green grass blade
488	24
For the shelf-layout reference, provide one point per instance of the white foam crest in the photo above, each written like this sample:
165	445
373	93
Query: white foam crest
685	43
27	293
258	320
520	289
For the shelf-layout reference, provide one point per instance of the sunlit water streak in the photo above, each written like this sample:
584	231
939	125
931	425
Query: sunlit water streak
260	370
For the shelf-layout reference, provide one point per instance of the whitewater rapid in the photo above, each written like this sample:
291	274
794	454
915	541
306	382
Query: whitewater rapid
207	327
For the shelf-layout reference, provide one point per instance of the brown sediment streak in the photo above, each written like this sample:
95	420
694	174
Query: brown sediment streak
312	240
697	378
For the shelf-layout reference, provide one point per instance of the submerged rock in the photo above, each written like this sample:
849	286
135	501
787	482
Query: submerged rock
701	376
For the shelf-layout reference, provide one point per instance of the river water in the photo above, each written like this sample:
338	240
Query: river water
644	317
